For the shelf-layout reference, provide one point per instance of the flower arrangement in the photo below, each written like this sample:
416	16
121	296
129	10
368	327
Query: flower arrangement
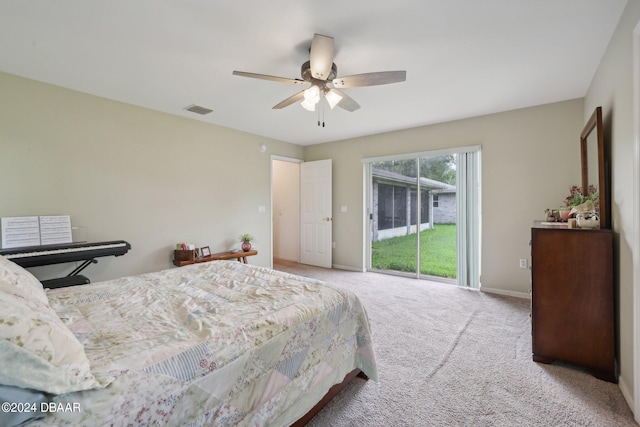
246	242
576	197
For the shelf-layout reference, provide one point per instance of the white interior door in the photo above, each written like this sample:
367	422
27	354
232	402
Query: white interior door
315	213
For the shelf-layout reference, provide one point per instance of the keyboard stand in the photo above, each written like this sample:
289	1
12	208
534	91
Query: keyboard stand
71	279
82	266
62	282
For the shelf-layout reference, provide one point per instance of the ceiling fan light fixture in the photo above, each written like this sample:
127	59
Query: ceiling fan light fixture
307	105
332	98
312	94
311	98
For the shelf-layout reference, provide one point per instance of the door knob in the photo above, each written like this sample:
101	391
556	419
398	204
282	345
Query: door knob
327	219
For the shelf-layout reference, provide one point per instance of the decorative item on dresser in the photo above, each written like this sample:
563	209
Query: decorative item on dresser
572	298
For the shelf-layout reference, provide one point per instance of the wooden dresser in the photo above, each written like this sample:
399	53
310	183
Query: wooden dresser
572	298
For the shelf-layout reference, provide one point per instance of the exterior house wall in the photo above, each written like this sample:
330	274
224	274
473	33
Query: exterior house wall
446	211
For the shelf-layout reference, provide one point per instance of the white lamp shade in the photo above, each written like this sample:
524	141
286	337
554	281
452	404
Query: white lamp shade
309	106
332	98
312	94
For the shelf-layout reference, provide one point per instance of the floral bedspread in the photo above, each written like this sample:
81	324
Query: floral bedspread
218	343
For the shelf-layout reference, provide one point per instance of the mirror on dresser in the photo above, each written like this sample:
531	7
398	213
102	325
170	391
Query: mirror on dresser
594	164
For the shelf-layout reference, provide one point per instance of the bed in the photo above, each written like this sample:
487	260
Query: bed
219	343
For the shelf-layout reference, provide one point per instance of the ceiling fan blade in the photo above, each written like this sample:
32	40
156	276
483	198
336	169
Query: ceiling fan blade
290	100
321	56
266	77
370	79
346	103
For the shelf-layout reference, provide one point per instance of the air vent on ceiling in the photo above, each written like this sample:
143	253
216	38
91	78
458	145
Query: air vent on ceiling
198	109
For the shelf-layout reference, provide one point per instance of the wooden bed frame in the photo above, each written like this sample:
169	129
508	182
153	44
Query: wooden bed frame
333	391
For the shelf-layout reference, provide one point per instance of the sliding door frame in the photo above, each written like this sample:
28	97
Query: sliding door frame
368	207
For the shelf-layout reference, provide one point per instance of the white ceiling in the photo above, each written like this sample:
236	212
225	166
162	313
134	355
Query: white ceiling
463	58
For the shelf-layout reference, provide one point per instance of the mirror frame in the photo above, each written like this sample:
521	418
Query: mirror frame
594	124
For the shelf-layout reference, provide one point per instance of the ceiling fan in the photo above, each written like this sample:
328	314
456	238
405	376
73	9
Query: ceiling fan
321	73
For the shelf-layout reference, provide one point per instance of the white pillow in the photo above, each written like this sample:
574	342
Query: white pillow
38	351
13	274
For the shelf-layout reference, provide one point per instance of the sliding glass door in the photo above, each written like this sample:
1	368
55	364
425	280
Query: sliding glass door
421	216
393	219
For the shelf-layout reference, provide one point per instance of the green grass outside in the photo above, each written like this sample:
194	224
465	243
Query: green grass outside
437	252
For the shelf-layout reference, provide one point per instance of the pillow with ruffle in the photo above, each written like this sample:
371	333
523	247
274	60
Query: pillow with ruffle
13	274
38	350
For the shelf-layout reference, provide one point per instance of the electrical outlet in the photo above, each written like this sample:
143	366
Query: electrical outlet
523	263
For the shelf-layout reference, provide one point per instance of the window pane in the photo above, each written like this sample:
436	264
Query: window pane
385	206
414	203
400	207
425	216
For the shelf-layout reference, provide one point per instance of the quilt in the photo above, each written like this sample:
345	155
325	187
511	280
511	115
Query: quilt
219	343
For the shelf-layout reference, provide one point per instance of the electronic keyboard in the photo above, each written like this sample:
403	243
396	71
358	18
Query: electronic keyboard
34	256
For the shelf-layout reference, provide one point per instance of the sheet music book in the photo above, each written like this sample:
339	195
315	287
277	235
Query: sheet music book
21	231
55	229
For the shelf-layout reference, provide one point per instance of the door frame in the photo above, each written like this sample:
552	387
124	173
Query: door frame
300	162
273	158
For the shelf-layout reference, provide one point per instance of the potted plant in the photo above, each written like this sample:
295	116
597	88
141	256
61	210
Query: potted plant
246	242
564	212
576	198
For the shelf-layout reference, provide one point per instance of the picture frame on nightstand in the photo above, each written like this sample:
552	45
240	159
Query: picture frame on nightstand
205	251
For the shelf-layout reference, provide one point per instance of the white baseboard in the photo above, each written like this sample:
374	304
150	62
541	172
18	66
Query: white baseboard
282	258
628	395
346	267
503	292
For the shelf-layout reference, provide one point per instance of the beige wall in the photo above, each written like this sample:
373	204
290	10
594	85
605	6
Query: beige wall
130	173
154	179
530	158
612	88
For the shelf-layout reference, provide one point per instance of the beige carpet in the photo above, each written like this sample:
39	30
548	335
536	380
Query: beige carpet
449	356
